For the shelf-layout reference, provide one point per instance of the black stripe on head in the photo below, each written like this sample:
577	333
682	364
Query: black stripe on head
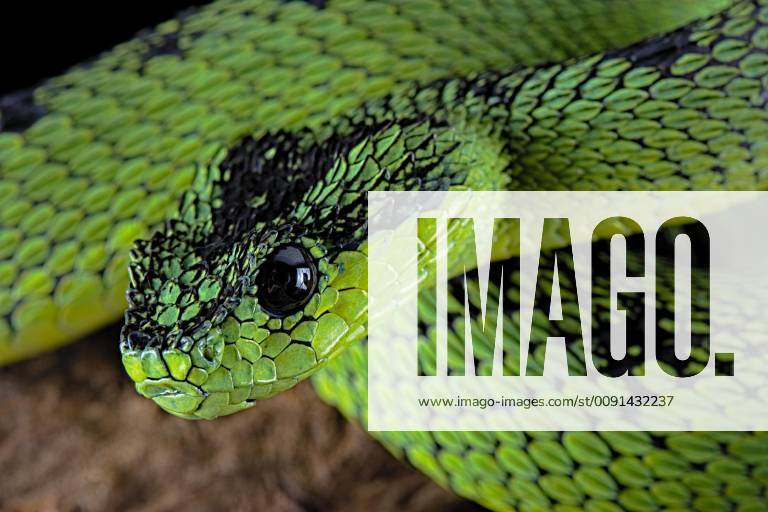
262	181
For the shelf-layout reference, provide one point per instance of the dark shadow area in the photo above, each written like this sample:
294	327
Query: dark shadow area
43	39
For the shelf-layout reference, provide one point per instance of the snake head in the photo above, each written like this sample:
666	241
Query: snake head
230	303
262	277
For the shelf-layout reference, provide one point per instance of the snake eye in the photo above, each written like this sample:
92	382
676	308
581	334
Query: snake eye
286	280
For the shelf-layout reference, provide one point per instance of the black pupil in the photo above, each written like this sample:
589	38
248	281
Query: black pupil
286	281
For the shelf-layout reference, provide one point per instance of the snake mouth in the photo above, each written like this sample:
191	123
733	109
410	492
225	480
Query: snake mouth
213	380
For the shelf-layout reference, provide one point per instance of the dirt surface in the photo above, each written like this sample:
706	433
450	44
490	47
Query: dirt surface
75	436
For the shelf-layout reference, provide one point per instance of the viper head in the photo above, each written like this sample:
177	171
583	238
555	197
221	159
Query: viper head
245	293
263	275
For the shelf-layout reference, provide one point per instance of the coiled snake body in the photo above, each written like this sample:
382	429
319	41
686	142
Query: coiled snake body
269	122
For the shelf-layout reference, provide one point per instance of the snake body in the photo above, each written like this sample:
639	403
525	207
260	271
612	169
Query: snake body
267	123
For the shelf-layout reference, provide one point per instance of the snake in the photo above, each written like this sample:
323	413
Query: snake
216	166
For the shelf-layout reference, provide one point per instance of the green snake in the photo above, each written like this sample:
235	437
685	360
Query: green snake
238	142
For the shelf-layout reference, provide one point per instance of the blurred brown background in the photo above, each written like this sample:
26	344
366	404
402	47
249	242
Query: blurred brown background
74	435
